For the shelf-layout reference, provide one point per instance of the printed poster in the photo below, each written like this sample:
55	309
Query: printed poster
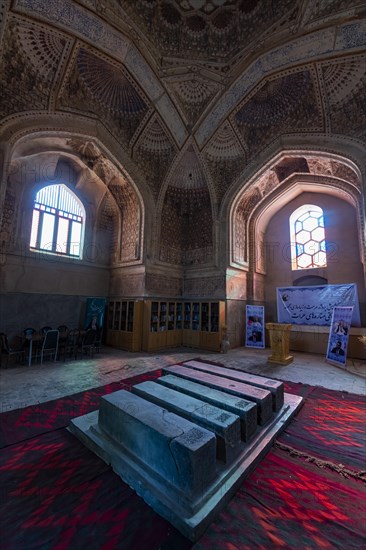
94	313
313	305
339	335
254	327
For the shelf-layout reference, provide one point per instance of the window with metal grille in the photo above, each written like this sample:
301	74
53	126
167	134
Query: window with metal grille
308	247
57	223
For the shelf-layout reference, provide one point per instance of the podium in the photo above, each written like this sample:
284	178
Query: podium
279	335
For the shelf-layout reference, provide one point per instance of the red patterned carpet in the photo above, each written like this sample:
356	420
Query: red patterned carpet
309	491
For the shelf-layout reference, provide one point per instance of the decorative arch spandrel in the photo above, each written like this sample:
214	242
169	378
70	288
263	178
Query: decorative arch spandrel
187	228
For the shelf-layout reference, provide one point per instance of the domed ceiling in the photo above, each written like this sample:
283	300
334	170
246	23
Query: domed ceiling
156	80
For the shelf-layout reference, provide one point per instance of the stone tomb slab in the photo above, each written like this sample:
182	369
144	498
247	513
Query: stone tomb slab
145	443
225	425
246	410
263	398
274	386
170	461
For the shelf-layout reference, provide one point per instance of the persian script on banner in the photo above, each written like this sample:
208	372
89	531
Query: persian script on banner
313	305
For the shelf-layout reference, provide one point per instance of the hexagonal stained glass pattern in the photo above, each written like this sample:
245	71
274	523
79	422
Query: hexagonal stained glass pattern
307	230
311	247
310	223
304	261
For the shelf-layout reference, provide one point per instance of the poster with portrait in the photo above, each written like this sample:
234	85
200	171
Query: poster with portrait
339	335
254	327
94	313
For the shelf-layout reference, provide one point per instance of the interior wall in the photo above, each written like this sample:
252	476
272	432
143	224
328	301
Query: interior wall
20	310
343	257
45	289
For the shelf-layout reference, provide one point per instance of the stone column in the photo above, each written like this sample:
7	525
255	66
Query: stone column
279	335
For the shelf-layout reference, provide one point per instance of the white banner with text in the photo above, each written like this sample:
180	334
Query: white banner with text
313	305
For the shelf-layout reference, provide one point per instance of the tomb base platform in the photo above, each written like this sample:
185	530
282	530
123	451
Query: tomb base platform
170	460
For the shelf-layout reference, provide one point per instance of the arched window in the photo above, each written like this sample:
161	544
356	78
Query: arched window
57	224
308	248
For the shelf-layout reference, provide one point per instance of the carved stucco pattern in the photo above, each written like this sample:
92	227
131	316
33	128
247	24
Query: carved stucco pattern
154	152
131	285
207	32
239	236
329	7
346	173
28	66
107	228
345	84
186	234
225	158
247	203
193	95
106	90
130	224
163	285
205	287
281	105
186	224
8	221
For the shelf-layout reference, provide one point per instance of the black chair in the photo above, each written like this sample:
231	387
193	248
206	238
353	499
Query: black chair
49	345
70	347
29	331
87	343
98	340
7	351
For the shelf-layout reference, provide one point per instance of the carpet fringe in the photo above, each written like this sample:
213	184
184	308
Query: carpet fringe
339	468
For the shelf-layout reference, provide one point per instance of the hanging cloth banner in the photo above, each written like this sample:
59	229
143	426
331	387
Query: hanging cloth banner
254	327
339	335
313	305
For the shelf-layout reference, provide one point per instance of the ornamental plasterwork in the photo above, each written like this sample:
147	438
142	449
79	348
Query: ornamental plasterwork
281	104
316	11
205	30
98	87
210	287
259	94
345	85
193	93
186	214
129	207
154	152
225	157
322	43
28	65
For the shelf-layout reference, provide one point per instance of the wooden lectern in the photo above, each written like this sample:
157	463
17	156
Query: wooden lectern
279	335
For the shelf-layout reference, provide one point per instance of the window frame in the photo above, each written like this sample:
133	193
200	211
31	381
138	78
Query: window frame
295	243
75	219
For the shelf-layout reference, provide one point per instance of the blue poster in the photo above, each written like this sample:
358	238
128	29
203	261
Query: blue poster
313	305
94	313
339	335
254	327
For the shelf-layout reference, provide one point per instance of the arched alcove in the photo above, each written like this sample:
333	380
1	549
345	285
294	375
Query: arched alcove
260	239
